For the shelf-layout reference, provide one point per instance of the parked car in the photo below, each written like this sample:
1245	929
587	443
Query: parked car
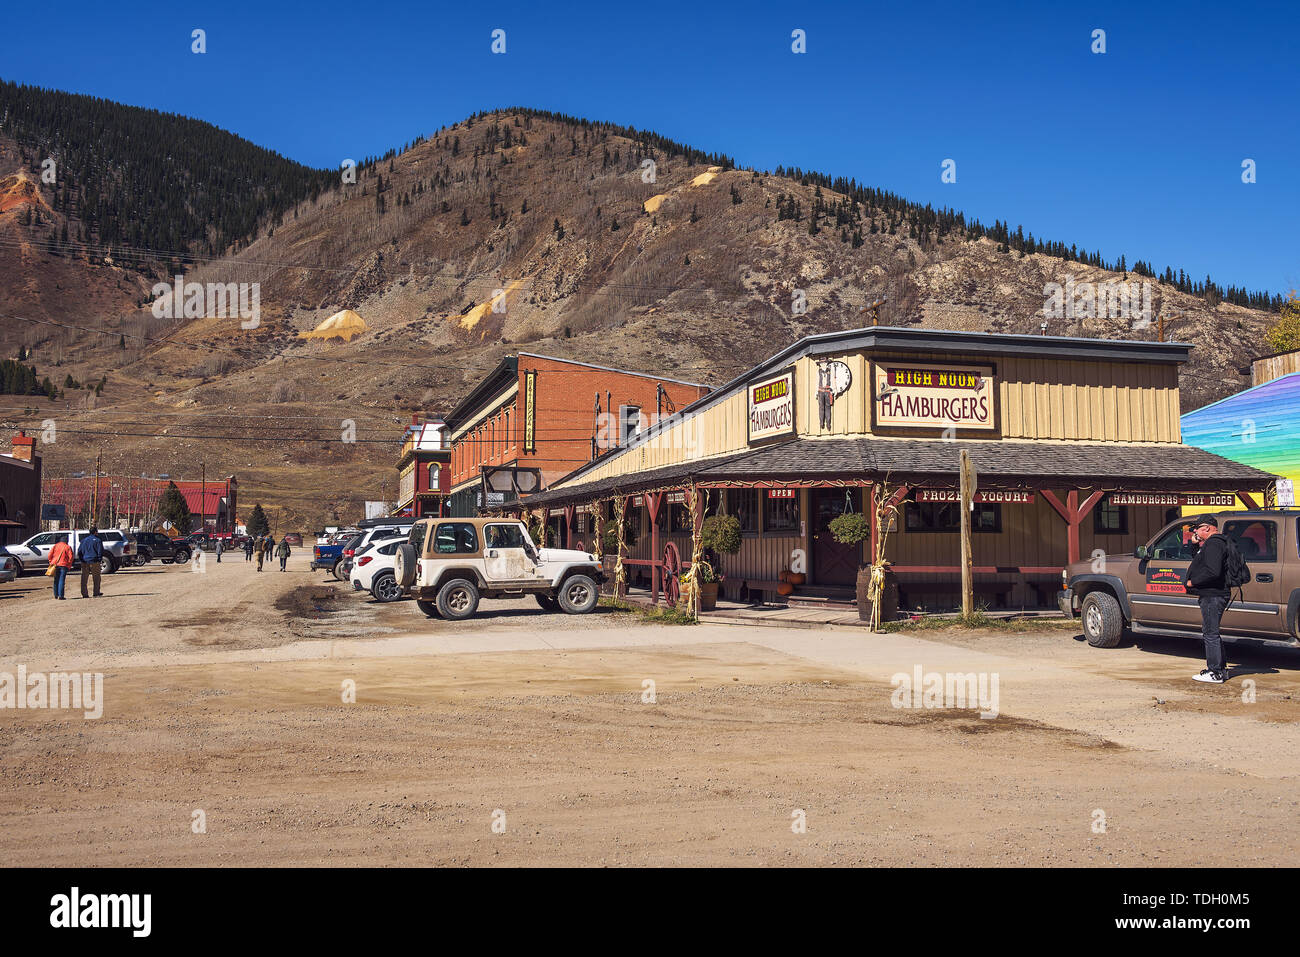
8	566
1146	592
372	570
326	556
33	555
450	563
294	539
372	530
151	545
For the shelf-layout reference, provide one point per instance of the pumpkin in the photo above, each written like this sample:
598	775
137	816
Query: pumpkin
785	588
797	578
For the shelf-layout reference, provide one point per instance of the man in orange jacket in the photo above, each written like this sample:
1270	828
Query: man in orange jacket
61	560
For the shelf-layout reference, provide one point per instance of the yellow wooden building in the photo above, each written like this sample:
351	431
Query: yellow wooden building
1075	443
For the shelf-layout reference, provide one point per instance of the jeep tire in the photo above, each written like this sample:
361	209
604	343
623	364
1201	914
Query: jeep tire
430	608
547	602
458	599
1103	622
578	594
405	565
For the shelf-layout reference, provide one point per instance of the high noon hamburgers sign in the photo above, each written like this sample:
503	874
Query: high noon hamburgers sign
771	407
915	395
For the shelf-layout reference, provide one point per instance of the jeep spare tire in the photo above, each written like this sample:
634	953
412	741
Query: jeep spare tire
458	599
1103	622
578	594
404	565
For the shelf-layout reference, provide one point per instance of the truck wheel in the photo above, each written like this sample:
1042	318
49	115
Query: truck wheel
548	603
458	599
430	608
1103	622
337	571
182	557
385	587
108	565
578	595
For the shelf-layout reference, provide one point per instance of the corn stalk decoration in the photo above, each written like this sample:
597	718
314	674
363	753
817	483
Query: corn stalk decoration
594	510
690	577
876	587
620	576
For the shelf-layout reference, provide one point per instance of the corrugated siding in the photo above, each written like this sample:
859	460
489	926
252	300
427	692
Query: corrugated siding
1037	397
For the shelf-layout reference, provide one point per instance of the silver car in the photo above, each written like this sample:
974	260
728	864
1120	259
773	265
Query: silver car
8	566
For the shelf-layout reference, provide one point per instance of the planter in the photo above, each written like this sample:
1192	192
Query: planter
888	597
709	596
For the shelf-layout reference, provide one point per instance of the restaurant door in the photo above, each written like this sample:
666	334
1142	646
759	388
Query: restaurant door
833	563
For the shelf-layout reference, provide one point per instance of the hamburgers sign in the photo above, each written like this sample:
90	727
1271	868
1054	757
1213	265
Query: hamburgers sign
771	407
920	395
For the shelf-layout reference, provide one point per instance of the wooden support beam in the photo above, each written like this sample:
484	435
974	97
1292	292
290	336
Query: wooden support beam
1248	499
653	501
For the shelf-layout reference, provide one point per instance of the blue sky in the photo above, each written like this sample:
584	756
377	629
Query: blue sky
1135	151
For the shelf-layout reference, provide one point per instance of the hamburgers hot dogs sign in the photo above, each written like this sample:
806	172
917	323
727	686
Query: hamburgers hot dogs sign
916	395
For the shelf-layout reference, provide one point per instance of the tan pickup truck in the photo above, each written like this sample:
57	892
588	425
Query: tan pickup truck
1144	592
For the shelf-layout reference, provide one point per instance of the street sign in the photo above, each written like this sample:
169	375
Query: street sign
168	525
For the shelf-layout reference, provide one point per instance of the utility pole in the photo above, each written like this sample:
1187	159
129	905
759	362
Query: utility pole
874	309
94	498
203	497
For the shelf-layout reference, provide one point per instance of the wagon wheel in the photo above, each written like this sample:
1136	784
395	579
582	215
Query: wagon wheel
578	545
672	568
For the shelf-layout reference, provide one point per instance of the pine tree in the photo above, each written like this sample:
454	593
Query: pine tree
173	508
257	523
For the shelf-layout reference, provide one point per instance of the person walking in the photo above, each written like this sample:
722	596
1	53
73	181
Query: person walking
90	553
283	553
220	547
61	561
248	548
1206	580
261	551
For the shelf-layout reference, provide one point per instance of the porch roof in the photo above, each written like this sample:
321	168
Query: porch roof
1158	467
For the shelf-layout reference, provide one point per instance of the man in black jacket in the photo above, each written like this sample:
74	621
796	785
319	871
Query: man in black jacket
1205	581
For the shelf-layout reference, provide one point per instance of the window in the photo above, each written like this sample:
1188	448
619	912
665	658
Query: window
744	505
510	441
503	536
434	471
1256	540
1176	544
455	538
416	537
781	514
1110	519
389	549
41	540
946	517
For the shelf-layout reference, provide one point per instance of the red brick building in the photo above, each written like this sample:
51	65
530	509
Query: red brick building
534	419
423	472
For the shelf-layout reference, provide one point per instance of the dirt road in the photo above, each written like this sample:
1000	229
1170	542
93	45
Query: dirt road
225	694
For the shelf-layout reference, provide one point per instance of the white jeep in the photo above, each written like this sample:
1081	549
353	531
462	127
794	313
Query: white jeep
448	564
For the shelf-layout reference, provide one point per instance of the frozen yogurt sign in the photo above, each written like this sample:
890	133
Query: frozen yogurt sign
771	407
919	396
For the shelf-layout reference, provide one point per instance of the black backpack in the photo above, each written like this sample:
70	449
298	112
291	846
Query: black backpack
1235	570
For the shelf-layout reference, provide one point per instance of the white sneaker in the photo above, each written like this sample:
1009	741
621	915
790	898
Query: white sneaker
1210	677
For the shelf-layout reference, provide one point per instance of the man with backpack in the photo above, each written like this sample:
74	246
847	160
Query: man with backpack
1217	569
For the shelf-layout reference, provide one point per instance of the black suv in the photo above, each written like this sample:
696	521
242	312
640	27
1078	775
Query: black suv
150	545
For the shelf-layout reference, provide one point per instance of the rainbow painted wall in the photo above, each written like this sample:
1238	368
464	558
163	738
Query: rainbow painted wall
1258	427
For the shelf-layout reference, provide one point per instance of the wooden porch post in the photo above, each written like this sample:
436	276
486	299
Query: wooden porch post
1248	498
653	500
1073	513
570	517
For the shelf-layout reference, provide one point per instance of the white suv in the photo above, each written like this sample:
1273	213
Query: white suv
448	564
372	570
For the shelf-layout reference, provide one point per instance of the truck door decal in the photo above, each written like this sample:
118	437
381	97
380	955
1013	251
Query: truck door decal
1165	580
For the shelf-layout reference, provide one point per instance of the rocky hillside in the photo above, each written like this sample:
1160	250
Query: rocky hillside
523	230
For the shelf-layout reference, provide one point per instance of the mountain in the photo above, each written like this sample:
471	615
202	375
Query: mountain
515	229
